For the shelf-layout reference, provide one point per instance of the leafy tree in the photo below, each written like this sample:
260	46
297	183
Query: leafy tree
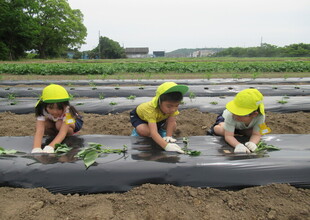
48	26
17	29
59	27
109	49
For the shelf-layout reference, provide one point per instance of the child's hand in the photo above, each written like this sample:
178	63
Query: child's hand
169	139
251	146
241	149
48	149
36	150
174	147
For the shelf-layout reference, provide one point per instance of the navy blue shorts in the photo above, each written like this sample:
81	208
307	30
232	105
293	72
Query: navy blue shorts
78	124
220	119
136	120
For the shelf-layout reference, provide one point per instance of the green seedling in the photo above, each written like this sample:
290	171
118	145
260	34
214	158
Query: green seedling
214	103
263	147
101	96
131	97
188	151
117	88
80	103
141	87
94	150
92	84
282	101
113	103
192	95
7	152
62	148
11	96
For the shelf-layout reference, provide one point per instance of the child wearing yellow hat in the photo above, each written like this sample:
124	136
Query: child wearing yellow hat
55	116
157	118
243	115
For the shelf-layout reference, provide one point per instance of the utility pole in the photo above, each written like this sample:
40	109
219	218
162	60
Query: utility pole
99	46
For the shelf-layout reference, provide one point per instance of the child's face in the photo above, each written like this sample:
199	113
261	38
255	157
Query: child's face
169	107
54	110
245	118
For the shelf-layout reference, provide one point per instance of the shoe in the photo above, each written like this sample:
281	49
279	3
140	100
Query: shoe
210	132
162	132
134	133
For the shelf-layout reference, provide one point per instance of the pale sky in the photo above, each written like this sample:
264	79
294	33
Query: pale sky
173	24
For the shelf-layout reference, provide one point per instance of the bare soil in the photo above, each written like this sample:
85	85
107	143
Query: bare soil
277	201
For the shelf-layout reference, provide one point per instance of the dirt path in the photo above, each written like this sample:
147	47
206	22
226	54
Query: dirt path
277	201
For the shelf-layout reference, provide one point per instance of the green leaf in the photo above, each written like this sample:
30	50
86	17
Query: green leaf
90	158
262	146
62	148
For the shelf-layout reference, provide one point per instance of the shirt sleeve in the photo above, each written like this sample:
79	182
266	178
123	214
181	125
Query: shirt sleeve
260	120
41	118
229	124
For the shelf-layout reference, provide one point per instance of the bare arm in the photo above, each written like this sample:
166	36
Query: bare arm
61	134
155	135
171	125
230	138
255	137
38	136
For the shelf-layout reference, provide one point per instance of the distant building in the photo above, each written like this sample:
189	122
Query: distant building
159	53
202	53
137	52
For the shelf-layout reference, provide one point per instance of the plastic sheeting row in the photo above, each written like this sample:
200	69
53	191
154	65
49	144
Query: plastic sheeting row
212	81
149	91
146	162
204	104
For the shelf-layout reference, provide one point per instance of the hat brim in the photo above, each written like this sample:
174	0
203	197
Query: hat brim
177	88
236	110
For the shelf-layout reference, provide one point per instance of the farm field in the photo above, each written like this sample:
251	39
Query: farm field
150	201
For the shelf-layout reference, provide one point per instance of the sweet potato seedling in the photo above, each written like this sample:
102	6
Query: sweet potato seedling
263	147
62	148
188	151
94	150
131	97
7	152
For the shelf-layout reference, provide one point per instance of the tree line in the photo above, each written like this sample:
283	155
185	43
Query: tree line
267	50
48	28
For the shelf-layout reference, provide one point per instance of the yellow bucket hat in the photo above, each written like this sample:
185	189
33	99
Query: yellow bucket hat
54	93
246	102
168	87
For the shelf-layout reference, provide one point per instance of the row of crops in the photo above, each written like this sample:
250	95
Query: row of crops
153	67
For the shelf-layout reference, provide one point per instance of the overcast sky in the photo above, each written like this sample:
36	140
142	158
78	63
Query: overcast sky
173	24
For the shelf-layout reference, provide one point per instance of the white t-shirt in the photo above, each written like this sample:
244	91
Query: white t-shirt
231	124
